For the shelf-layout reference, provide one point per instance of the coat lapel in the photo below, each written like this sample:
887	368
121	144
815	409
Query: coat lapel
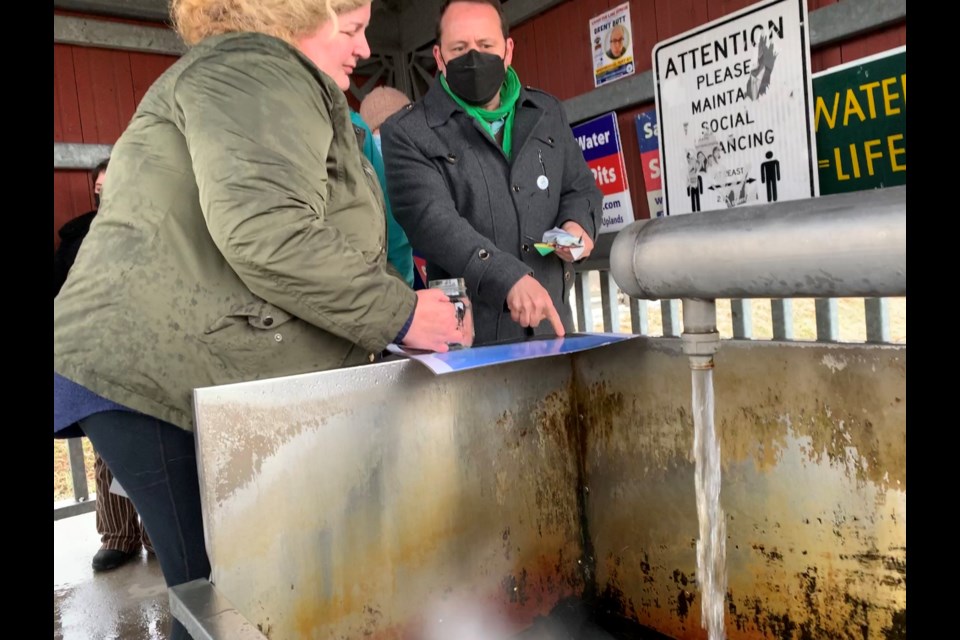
437	105
525	121
439	108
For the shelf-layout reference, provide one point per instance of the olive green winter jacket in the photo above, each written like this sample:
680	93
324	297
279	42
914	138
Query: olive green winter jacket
241	235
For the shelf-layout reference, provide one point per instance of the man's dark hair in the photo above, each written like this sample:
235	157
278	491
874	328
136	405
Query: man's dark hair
504	25
97	169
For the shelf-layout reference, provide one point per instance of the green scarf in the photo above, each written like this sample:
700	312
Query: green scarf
509	93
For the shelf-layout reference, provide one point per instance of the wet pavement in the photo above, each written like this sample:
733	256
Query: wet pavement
128	603
131	602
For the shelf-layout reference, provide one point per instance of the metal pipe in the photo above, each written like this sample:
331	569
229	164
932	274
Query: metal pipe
846	245
700	336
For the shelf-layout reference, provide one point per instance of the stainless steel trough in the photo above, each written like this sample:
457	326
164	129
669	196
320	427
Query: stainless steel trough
384	502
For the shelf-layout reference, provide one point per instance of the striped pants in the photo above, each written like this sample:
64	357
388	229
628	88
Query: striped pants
118	523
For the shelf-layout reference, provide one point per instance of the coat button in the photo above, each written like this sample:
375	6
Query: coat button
278	337
483	254
451	158
550	140
268	321
409	106
566	276
525	247
372	357
516	188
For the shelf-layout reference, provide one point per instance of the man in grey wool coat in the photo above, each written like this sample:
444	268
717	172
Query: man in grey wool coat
480	168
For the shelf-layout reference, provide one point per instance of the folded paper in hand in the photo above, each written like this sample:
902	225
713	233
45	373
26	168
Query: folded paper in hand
556	238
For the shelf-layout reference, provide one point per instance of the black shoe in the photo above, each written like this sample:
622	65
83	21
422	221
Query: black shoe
107	559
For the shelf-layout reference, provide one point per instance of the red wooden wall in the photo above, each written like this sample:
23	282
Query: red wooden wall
552	53
95	92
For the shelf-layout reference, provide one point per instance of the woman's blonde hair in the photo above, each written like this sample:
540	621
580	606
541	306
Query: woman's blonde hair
288	20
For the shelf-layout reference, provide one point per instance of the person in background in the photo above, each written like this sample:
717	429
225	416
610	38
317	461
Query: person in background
74	231
121	532
229	247
374	109
477	172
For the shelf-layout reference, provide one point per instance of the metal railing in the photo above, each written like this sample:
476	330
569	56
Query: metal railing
862	238
83	500
615	307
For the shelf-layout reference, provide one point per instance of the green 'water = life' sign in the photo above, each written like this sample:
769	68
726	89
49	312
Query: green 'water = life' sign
861	123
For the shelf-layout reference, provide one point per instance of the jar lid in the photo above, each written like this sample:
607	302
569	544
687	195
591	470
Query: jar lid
449	284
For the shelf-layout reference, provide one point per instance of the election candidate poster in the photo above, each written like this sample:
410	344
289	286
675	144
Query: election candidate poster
648	137
599	139
861	123
735	108
612	45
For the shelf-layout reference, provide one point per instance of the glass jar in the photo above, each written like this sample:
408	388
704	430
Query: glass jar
456	290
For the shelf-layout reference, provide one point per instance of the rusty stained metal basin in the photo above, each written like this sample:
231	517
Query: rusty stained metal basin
813	446
384	502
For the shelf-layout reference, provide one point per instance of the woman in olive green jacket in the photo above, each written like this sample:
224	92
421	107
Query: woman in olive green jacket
241	235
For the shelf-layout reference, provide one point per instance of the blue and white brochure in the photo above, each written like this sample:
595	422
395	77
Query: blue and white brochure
493	354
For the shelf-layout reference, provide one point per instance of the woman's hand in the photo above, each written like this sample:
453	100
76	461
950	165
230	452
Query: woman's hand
434	323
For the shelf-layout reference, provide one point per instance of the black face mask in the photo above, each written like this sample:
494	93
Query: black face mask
476	77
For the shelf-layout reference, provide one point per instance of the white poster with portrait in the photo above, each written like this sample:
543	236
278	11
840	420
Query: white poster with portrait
611	41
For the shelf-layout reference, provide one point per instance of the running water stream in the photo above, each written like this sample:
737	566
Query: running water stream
711	546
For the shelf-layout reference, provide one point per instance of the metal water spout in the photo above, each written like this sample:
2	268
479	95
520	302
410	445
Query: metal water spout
700	336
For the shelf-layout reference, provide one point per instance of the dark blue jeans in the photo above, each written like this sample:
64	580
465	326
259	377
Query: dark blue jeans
156	464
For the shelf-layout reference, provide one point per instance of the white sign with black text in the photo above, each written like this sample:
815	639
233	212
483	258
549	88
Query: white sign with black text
735	107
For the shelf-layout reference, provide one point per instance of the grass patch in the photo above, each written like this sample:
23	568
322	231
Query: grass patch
62	483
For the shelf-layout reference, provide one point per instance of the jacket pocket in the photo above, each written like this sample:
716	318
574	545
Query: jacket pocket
544	163
569	273
250	339
258	340
258	315
545	139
